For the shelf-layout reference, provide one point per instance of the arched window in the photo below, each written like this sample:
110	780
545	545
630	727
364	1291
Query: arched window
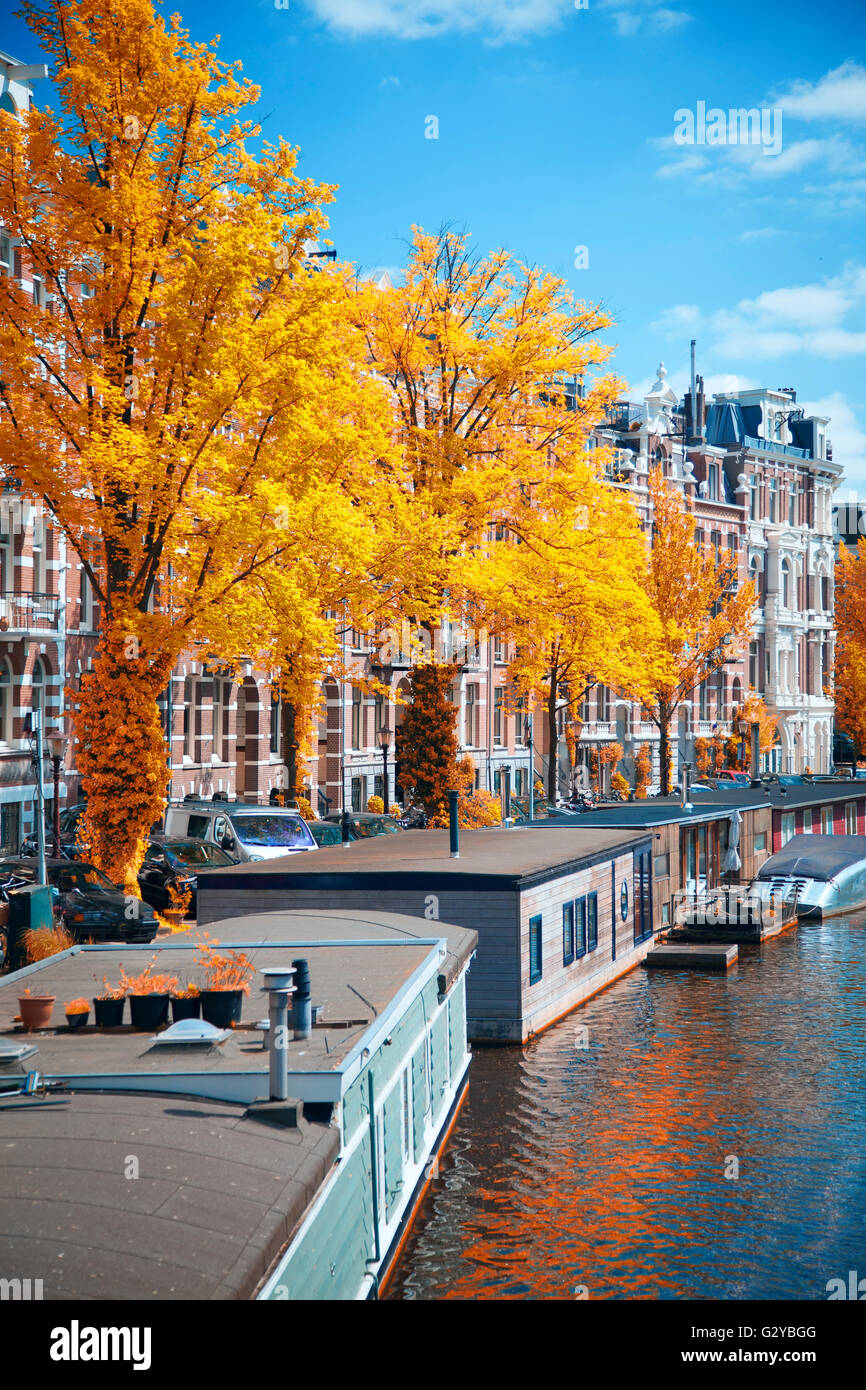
755	576
786	585
5	701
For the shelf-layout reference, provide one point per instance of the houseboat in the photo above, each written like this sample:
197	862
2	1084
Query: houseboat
823	874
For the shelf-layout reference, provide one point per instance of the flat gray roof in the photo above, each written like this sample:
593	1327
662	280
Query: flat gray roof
352	979
216	1199
488	858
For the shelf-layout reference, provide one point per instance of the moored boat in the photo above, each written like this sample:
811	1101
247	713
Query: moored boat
824	874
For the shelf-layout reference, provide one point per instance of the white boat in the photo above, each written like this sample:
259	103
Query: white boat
824	874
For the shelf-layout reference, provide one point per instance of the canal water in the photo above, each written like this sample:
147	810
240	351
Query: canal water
680	1136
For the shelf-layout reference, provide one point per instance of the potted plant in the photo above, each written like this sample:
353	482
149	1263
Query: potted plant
148	996
108	1006
227	980
77	1013
35	1009
185	1002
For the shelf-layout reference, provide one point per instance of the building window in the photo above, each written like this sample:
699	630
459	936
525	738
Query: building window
406	1114
772	502
760	841
37	699
221	695
276	724
357	722
190	701
498	716
579	928
10	828
5	253
792	505
471	715
567	933
662	866
358	793
591	921
754	666
786	584
86	598
40	559
753	499
7	562
603	699
703	701
6	705
534	949
712	482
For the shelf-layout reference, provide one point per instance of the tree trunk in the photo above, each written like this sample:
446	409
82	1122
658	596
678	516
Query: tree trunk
664	722
289	716
552	736
121	751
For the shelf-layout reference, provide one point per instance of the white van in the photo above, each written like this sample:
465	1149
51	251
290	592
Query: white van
243	830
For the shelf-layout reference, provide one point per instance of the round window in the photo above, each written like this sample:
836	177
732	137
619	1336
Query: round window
623	899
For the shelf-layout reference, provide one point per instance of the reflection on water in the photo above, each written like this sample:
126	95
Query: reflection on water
605	1165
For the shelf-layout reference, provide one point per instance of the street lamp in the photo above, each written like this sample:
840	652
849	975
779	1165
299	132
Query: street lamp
384	737
742	730
57	744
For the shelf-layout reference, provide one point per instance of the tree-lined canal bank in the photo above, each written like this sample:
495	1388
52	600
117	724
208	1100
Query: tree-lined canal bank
680	1136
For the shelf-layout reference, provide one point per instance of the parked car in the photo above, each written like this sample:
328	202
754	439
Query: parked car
785	779
177	864
325	832
364	824
70	820
542	809
739	779
92	906
245	831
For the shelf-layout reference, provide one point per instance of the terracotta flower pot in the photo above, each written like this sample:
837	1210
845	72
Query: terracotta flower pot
35	1009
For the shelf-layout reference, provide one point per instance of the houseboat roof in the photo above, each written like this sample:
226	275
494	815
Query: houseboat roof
815	856
220	1187
359	965
489	859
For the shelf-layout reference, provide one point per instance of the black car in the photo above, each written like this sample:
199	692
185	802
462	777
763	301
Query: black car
70	819
364	824
93	907
175	864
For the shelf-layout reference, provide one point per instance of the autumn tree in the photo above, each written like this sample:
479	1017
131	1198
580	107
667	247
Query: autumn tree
850	664
426	743
704	620
738	748
182	384
476	351
570	594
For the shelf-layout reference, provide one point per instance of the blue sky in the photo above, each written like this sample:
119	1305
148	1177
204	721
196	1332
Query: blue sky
556	131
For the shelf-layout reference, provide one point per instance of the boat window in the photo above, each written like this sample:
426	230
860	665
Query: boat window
851	818
789	825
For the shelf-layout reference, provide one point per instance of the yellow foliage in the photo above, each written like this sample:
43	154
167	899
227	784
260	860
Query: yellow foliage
375	804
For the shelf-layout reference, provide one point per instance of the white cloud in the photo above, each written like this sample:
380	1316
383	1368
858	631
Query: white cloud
499	20
679	319
839	95
758	233
638	16
423	19
797	318
390	82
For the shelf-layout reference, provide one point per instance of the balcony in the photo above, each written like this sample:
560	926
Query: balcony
28	612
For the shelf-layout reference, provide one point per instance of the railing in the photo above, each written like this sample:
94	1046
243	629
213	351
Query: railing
775	447
734	905
27	612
